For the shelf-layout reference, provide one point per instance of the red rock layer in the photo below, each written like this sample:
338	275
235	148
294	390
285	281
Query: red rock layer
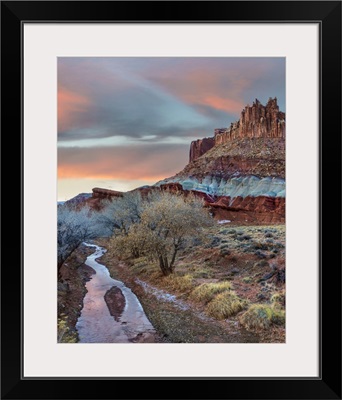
200	146
261	209
105	193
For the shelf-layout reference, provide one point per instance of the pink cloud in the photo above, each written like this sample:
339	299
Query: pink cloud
219	103
129	163
70	104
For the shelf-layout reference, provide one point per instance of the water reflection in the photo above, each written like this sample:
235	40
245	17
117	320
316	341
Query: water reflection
95	324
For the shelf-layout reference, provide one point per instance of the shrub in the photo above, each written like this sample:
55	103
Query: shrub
224	251
261	246
215	241
262	263
225	305
207	291
197	242
64	333
203	273
260	254
142	265
247	279
260	316
177	282
246	237
278	300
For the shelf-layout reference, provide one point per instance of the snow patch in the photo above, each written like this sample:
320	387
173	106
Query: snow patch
224	221
161	295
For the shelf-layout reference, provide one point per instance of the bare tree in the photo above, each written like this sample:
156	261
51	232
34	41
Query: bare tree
73	227
167	221
120	213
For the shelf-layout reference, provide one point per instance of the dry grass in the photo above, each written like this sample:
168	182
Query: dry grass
64	334
207	291
225	305
178	283
278	299
201	271
260	317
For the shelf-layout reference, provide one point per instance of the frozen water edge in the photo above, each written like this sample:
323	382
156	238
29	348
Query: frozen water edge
169	298
162	295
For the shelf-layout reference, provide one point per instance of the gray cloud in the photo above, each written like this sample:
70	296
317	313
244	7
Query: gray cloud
165	97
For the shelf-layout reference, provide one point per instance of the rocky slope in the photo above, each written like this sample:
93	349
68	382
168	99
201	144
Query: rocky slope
242	167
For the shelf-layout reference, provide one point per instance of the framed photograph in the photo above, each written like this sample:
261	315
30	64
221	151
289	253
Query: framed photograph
173	167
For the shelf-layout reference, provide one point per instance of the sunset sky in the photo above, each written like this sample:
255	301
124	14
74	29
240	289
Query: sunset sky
128	122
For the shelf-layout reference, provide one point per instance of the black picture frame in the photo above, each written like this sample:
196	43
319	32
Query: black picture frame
328	15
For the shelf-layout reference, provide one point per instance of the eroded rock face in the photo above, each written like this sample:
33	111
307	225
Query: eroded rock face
200	146
256	121
232	187
105	193
259	204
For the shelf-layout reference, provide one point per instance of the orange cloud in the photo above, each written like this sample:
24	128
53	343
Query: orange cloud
126	163
220	103
69	104
132	173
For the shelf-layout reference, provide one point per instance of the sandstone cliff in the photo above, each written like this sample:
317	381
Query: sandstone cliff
106	193
256	121
199	147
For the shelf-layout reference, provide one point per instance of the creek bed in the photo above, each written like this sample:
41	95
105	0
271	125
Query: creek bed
96	324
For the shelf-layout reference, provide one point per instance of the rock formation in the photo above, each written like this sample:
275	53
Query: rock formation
105	193
200	146
256	121
240	171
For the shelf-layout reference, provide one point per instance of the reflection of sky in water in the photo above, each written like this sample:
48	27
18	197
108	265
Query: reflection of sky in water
96	325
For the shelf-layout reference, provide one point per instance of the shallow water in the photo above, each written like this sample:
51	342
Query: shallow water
95	324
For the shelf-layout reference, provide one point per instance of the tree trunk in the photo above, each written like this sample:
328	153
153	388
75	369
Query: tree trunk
163	264
173	258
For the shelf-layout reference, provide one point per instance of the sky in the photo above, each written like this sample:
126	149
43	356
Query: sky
125	122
